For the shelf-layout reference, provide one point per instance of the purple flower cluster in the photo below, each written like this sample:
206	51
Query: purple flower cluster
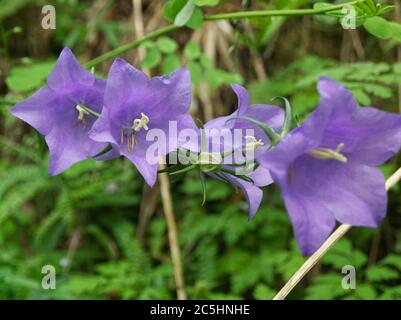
79	114
326	168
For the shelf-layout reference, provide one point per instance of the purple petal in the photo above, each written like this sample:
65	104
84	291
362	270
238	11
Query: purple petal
335	96
370	136
317	191
279	159
95	95
253	194
68	75
171	95
68	147
269	114
311	221
184	122
38	110
129	92
272	115
123	82
122	100
243	104
166	138
146	169
101	129
261	177
243	98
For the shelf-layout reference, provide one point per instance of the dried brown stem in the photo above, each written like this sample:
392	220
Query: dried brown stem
172	232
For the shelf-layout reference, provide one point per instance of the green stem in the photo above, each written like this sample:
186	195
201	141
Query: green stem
130	45
186	169
275	13
223	16
7	102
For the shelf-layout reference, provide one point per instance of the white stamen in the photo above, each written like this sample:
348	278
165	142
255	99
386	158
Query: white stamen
81	112
141	123
130	132
252	144
329	154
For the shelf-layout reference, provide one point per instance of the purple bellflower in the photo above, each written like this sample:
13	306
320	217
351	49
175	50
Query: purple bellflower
59	112
327	167
271	115
134	104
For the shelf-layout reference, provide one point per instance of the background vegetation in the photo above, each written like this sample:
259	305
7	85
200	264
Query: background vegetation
105	232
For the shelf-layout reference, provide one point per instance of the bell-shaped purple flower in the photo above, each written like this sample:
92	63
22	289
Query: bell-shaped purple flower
58	111
271	115
327	168
133	106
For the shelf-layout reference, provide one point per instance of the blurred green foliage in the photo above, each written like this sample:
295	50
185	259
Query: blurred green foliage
367	81
87	222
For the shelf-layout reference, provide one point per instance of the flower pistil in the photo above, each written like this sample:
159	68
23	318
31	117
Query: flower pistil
329	154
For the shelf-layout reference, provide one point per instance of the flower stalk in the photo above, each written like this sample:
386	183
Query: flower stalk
168	210
276	13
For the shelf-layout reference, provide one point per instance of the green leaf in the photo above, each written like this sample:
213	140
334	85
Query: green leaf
396	29
385	9
229	78
379	27
207	63
209	3
149	44
342	254
263	292
152	58
170	63
380	273
372	6
378	90
196	20
166	45
397	68
192	51
365	292
321	5
172	8
26	78
185	14
392	260
361	97
196	72
9	8
339	13
325	286
367	9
